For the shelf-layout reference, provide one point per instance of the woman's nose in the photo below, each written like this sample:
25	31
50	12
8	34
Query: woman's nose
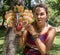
39	16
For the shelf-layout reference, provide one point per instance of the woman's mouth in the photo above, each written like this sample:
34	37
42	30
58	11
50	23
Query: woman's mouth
39	20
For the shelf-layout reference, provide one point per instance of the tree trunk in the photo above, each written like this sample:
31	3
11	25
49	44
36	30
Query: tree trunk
10	43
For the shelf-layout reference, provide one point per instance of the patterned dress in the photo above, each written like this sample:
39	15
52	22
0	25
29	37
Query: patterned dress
30	40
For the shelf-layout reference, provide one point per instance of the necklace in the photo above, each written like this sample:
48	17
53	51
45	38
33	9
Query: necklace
41	29
37	29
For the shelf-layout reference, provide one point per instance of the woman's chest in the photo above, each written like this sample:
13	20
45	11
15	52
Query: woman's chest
30	38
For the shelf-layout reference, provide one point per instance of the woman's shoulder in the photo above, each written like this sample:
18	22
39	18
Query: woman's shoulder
51	33
51	28
48	29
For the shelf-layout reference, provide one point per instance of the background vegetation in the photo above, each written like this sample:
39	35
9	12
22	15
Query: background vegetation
53	19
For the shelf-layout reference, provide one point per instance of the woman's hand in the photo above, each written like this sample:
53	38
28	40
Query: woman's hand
29	28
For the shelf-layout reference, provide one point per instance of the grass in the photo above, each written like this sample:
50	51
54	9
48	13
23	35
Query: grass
55	50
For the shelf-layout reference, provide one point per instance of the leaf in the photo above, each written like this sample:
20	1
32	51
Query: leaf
6	7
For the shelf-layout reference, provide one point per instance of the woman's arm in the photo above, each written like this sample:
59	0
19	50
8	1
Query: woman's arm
43	48
22	39
50	38
21	36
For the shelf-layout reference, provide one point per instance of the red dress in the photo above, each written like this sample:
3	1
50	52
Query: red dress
30	40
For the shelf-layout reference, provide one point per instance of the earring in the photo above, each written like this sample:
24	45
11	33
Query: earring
47	22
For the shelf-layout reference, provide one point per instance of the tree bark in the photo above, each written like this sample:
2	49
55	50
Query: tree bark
10	43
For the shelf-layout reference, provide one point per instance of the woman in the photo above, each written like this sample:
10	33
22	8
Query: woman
38	37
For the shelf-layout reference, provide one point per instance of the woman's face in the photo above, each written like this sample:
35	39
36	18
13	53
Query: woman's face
40	15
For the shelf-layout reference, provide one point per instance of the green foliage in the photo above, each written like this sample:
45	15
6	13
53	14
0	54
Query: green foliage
27	4
6	5
54	11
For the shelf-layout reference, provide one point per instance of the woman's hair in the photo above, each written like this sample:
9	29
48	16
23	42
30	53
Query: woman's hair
42	6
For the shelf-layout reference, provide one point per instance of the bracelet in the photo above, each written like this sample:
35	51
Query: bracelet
35	36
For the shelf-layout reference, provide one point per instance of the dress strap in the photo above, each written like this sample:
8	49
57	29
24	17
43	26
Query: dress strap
47	34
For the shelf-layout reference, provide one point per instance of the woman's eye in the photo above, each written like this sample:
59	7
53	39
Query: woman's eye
36	14
42	14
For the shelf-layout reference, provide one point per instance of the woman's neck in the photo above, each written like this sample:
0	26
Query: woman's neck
41	26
